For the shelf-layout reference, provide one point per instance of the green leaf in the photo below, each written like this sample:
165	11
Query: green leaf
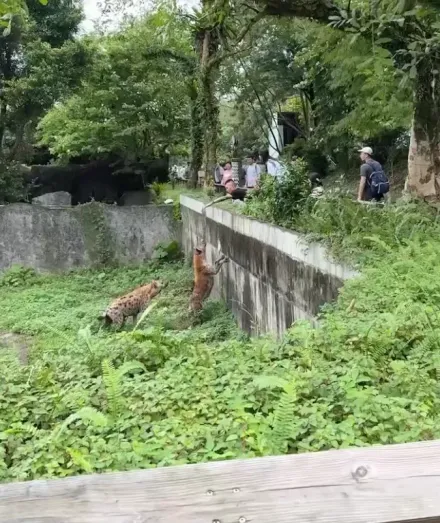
270	382
86	414
382	41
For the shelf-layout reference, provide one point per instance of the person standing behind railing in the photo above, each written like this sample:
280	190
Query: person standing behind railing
373	185
218	173
252	171
273	167
227	173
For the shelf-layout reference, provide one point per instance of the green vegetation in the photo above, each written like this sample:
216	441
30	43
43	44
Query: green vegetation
125	106
203	77
354	233
178	389
281	200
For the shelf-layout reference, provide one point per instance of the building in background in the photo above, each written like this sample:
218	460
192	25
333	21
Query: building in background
283	131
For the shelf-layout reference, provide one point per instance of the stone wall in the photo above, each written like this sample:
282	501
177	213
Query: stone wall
274	276
58	239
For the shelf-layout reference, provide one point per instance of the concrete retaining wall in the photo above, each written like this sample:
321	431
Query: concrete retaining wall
274	276
57	239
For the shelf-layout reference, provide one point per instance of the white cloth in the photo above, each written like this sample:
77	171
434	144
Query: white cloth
252	175
273	167
218	174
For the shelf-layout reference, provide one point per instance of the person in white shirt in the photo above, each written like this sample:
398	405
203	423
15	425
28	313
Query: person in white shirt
218	173
252	171
273	166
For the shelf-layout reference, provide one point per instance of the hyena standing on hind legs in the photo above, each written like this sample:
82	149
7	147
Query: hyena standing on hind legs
203	277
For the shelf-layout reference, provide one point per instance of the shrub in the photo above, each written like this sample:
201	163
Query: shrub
280	200
17	276
312	154
12	185
167	251
362	233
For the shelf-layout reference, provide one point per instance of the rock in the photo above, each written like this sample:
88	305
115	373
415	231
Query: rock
169	201
136	198
59	198
317	192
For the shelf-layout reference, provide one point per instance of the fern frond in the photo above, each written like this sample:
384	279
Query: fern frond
86	414
436	364
129	366
283	422
378	352
379	242
57	332
112	379
22	428
86	336
78	459
113	389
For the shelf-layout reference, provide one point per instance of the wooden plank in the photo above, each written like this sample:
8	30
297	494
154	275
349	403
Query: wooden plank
399	483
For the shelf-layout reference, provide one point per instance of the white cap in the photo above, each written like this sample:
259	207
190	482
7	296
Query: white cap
366	150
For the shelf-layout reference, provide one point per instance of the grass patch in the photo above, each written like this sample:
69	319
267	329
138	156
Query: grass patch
167	191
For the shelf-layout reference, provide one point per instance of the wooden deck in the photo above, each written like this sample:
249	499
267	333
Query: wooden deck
380	484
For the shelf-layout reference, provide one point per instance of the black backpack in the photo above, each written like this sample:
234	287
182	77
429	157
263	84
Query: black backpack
379	184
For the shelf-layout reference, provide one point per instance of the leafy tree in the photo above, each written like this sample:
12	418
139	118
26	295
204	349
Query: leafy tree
10	8
344	93
407	33
410	30
51	74
39	63
256	85
218	30
125	106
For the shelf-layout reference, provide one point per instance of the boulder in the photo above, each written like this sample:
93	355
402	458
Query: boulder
59	198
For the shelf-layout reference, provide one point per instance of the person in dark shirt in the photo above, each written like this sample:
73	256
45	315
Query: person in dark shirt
367	169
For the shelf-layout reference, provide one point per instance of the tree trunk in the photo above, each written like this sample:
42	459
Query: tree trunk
196	140
3	109
424	152
207	47
211	124
196	134
208	102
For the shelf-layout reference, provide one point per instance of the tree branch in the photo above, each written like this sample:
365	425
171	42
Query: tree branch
188	62
219	57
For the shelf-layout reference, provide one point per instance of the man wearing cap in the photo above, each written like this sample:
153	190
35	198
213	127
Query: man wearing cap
367	168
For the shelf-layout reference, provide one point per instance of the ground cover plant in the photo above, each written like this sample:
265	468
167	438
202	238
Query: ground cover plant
175	390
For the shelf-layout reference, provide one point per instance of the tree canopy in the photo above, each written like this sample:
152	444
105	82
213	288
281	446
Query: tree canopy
185	83
125	105
40	62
